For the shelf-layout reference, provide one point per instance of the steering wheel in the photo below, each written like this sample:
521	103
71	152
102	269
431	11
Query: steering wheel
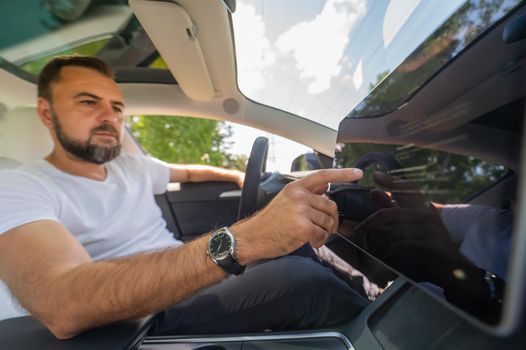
256	166
353	200
385	159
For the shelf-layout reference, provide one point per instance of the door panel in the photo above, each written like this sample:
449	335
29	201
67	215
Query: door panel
197	208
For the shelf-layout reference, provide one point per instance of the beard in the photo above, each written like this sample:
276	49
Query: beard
87	150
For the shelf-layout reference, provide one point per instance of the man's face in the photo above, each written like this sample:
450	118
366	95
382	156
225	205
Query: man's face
87	114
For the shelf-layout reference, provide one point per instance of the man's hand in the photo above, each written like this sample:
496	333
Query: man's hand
299	214
408	233
238	177
403	193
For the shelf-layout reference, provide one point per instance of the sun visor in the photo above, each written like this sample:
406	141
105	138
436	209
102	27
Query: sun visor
176	38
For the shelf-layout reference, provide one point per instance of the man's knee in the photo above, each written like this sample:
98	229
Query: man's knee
292	292
299	273
317	289
308	278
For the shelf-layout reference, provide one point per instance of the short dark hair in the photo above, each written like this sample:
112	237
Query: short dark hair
51	72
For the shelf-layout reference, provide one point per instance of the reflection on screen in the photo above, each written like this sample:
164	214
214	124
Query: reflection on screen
440	218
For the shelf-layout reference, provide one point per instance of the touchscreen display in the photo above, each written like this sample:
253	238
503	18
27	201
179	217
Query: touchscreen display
439	199
434	218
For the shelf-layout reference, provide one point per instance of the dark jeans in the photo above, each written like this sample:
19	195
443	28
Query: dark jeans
288	293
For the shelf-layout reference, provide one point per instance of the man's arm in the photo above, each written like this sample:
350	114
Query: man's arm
200	173
53	277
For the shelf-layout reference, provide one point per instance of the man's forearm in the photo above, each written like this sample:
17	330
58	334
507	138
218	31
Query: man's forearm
201	173
101	292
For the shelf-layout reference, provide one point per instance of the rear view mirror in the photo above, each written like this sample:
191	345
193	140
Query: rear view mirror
311	161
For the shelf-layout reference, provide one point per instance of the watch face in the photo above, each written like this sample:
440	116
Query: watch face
219	245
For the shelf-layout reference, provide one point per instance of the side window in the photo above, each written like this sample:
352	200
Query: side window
281	151
189	140
443	177
185	140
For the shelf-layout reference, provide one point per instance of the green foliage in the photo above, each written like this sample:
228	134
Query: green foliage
185	140
158	63
90	49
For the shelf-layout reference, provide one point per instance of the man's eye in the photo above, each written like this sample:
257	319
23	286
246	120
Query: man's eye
88	102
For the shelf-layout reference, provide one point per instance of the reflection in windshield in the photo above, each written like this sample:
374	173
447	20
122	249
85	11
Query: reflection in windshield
473	18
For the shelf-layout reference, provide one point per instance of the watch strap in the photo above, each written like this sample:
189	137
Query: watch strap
230	265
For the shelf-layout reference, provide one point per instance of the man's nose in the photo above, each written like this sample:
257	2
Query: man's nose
110	115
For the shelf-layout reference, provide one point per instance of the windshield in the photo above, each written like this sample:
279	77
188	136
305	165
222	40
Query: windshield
318	59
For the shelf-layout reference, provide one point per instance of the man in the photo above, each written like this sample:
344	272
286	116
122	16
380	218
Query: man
82	243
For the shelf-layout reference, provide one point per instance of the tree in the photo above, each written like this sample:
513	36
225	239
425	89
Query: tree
185	140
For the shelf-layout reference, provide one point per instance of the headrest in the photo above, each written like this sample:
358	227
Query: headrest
23	137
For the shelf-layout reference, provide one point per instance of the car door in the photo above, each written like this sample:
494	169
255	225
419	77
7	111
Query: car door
191	209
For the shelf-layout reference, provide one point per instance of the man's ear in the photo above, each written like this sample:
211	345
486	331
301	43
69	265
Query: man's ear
44	112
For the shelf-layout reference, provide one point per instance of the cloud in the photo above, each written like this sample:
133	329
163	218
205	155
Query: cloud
254	52
395	17
357	77
319	45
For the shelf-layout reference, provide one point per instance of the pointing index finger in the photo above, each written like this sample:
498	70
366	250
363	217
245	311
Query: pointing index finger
322	177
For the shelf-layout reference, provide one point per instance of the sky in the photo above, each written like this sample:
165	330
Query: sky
318	58
281	150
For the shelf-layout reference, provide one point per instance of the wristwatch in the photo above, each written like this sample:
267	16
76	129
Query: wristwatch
222	249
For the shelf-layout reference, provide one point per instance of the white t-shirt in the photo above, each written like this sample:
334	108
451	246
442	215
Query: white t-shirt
483	233
111	218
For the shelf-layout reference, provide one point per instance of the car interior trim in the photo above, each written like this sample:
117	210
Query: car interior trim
248	338
230	194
